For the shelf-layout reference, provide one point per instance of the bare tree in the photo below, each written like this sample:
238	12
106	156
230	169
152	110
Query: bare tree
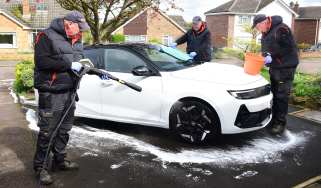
116	13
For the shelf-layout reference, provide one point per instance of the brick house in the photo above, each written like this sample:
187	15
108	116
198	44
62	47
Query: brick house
152	25
308	21
227	20
21	20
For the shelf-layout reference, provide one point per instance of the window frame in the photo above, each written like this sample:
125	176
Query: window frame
14	41
127	50
241	21
167	38
144	37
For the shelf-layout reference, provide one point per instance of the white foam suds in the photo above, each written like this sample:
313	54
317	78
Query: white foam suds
91	154
246	174
13	94
262	150
115	166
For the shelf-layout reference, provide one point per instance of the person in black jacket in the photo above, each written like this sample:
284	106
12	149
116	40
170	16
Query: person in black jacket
57	52
281	56
198	40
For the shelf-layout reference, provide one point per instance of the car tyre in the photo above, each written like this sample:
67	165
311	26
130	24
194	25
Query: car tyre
194	122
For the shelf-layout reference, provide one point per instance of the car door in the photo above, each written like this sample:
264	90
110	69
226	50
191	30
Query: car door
89	92
124	104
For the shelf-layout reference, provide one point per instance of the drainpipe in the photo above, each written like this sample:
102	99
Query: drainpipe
316	32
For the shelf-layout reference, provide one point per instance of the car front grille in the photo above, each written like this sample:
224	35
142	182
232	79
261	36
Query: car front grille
246	119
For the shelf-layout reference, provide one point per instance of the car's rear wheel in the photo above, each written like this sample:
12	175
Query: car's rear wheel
193	121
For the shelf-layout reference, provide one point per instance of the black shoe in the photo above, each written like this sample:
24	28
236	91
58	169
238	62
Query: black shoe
65	165
276	129
44	177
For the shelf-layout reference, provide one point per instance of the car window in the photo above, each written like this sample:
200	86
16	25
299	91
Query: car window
120	60
97	57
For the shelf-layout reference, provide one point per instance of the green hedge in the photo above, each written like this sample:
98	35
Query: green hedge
306	89
24	77
118	38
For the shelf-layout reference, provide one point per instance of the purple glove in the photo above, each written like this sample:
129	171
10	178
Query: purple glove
104	77
267	60
192	54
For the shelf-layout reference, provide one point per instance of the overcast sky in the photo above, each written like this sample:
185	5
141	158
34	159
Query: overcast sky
198	7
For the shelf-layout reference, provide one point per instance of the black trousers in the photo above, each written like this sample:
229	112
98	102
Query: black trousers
51	109
281	83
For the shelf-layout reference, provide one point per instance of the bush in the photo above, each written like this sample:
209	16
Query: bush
304	46
307	88
17	11
118	38
88	38
154	41
24	77
234	53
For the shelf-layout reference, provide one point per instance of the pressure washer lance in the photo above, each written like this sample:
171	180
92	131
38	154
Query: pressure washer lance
87	68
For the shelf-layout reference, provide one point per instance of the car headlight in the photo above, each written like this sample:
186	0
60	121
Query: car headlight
251	93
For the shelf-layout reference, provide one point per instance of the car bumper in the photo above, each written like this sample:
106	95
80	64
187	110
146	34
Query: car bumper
246	115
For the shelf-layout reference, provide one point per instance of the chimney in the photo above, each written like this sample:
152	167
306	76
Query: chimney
296	7
26	10
291	5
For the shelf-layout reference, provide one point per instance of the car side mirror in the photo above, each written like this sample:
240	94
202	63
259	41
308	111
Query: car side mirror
141	71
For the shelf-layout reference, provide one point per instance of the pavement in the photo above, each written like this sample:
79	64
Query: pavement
119	155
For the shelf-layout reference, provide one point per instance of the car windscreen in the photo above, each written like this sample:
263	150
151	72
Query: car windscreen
168	59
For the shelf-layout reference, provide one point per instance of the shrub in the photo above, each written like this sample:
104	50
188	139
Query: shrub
87	38
154	41
118	38
234	53
24	77
304	46
17	11
308	89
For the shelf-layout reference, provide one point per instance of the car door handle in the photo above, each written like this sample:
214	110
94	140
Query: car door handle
106	83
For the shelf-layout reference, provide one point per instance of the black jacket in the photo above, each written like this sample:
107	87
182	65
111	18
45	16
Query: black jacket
54	55
279	42
199	43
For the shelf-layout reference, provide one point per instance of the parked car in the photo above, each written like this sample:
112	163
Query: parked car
196	100
316	48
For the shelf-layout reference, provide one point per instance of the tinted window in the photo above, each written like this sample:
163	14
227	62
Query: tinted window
97	56
119	60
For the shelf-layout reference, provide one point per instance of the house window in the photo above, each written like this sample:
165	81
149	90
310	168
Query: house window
135	38
8	40
167	40
244	20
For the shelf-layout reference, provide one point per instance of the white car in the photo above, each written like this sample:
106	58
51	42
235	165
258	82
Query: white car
197	100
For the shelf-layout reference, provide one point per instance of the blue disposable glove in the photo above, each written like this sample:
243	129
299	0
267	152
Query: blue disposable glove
192	54
104	77
267	60
76	66
173	45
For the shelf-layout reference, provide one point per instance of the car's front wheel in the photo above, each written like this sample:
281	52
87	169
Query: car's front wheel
193	121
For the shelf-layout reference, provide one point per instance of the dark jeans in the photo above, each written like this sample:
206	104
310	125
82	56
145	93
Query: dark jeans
281	83
51	109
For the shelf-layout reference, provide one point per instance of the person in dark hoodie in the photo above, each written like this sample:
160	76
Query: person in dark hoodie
281	56
57	52
198	39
